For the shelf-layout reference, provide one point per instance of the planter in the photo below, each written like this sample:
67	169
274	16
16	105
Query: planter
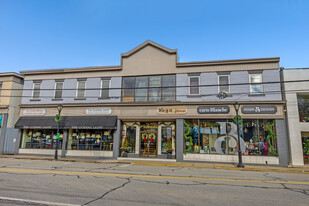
125	153
169	154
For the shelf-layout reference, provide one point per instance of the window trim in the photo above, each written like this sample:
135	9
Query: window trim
228	76
33	85
261	83
77	97
57	82
109	86
190	85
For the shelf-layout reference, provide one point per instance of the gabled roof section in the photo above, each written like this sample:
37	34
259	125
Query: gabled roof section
147	43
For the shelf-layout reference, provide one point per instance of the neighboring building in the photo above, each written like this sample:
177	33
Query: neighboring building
151	99
11	88
297	96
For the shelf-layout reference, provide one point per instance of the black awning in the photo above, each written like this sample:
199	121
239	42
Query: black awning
68	122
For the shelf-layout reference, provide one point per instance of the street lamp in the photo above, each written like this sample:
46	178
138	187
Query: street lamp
58	120
240	164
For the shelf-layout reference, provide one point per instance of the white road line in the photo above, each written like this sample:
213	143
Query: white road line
125	165
37	201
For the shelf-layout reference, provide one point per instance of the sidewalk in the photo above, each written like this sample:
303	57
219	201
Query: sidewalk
169	163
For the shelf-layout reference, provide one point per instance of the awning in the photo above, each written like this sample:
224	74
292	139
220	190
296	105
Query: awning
68	122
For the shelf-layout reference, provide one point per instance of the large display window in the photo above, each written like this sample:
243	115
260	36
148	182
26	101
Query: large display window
257	137
40	139
83	139
303	107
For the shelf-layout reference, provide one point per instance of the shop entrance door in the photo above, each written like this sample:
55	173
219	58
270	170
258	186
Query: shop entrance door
149	132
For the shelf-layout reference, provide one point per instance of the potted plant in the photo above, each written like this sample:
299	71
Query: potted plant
169	148
125	147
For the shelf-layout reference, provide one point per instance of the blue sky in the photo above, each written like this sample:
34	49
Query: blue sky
43	34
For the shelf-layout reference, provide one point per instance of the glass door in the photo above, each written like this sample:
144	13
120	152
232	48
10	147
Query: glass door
149	133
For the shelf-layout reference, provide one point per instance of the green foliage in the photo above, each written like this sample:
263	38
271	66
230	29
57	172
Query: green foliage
188	138
271	136
306	147
169	146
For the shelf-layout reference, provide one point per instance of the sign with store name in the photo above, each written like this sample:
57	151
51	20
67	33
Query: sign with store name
213	109
93	111
259	109
172	110
34	112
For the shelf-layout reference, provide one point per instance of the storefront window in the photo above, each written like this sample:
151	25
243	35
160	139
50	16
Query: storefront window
80	139
303	107
257	137
131	135
40	139
305	143
166	133
260	137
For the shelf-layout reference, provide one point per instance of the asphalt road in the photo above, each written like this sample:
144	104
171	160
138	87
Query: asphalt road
43	182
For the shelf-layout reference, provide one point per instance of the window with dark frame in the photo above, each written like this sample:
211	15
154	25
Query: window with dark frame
149	88
194	83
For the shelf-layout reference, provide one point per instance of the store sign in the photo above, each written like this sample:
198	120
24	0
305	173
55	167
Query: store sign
92	111
34	112
172	110
258	109
213	109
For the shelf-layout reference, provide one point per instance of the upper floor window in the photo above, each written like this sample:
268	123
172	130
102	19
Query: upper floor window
58	90
149	88
224	81
105	88
81	86
194	83
255	83
36	90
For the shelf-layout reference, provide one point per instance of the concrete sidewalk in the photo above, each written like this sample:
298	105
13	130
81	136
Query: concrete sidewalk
169	163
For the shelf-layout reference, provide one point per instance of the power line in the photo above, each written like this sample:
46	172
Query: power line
176	95
166	87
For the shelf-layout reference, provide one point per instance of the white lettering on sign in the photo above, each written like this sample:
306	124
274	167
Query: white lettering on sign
92	111
34	112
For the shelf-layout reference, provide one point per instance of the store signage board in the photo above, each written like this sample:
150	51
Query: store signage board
259	109
34	112
172	110
93	111
213	109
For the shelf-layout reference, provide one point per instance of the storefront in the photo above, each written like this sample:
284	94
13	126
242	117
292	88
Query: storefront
148	139
79	135
215	138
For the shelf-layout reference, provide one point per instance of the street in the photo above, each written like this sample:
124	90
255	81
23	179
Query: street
44	182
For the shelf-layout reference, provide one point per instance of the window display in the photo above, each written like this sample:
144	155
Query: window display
258	137
82	139
40	139
303	107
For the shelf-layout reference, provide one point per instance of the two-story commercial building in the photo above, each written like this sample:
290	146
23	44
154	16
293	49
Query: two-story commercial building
151	99
11	87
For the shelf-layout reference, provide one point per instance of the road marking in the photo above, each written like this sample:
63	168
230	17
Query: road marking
225	168
37	201
125	165
144	176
